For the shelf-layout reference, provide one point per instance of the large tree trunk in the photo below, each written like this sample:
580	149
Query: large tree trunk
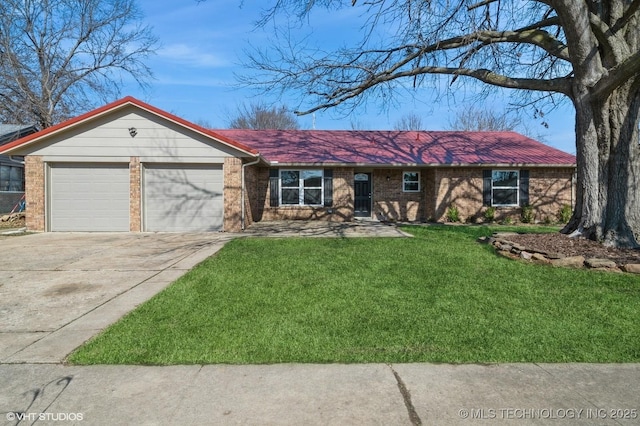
607	204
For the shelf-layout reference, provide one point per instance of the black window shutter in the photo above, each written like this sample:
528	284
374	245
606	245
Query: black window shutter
328	187
524	187
486	187
274	187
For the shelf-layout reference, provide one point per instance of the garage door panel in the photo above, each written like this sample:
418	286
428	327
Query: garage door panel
89	197
183	198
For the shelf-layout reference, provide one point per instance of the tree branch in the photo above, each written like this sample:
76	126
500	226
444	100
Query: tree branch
480	4
617	76
612	42
628	14
557	85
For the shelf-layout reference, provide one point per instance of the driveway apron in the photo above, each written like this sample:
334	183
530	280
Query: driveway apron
59	289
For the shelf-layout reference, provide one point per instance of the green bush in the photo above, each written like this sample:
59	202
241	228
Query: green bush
565	213
453	215
527	214
490	214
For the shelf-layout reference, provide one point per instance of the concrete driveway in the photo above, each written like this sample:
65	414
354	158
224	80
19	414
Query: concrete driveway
59	289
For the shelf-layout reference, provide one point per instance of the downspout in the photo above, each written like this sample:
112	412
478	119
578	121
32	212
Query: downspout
15	161
243	191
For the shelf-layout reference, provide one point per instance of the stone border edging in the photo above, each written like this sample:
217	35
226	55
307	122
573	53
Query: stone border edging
511	250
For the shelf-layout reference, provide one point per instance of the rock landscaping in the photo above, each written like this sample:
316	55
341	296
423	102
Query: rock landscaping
560	250
12	220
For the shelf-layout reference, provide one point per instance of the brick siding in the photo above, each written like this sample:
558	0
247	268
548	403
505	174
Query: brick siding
135	202
341	210
459	187
390	202
232	170
549	190
34	190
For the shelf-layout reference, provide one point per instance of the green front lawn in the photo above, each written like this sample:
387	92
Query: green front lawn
438	297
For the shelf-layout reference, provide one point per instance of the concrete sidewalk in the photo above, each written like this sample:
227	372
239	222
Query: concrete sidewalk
333	394
322	228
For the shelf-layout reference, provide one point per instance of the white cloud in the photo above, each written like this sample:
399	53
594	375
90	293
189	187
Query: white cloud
192	56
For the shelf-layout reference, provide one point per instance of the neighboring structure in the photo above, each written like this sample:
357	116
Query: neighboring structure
12	170
129	166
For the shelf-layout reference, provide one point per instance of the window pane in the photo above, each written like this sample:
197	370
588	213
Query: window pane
411	177
312	178
4	178
313	196
15	179
290	196
290	178
505	196
411	186
505	178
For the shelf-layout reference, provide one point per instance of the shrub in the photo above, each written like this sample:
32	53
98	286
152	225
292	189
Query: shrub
507	221
527	215
453	215
490	214
565	213
548	220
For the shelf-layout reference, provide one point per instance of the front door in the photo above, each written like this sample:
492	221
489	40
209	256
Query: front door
362	196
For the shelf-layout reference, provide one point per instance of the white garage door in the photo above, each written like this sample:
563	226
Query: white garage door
179	198
89	197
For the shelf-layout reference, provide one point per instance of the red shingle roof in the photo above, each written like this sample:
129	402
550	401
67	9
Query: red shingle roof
398	148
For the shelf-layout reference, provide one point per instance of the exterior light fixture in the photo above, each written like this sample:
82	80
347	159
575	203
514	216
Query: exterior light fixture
133	131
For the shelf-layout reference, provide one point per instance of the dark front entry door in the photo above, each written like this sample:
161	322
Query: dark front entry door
362	189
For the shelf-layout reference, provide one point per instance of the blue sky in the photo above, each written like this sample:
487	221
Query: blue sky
202	45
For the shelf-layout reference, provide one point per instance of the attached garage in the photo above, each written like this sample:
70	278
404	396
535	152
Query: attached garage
183	198
88	197
131	167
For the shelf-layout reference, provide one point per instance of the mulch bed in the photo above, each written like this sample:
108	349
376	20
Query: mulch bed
562	244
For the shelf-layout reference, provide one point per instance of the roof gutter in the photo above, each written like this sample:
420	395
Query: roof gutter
243	191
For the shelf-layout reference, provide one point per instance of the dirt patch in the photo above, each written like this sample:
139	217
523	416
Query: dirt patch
562	244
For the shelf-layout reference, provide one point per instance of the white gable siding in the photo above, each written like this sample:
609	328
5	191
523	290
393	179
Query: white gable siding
157	140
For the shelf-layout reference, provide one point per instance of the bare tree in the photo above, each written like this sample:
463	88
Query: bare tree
60	58
475	119
585	51
409	121
357	124
261	117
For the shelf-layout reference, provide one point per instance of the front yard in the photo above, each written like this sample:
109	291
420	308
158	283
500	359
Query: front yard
438	297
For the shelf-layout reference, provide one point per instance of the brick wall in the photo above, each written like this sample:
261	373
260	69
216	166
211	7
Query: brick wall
343	195
251	174
461	187
135	183
390	202
232	170
34	190
549	190
342	209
